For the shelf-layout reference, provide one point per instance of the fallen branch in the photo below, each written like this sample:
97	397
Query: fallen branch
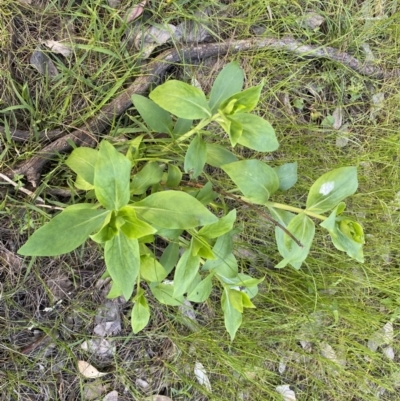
87	134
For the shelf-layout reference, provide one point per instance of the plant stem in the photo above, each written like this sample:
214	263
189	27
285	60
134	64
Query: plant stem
295	210
197	128
251	206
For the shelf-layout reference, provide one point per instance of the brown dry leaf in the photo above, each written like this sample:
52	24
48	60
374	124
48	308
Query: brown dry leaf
201	376
286	392
155	36
337	118
193	31
312	20
135	11
43	63
112	396
93	390
89	371
58	47
60	286
114	3
10	259
158	398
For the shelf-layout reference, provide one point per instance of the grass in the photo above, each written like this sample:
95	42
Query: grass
332	301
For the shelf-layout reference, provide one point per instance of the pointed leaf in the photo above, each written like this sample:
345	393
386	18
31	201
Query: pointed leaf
235	298
149	175
206	194
182	126
174	176
134	227
173	209
232	317
255	179
182	100
256	134
195	157
65	232
228	82
331	188
218	155
303	229
222	226
156	118
140	314
344	240
170	256
164	293
242	102
287	175
82	161
122	258
202	291
185	272
151	270
111	179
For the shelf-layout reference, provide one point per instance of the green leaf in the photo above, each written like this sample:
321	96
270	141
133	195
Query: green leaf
222	226
201	247
242	102
154	116
256	133
134	227
164	293
255	179
349	240
287	175
122	258
303	229
233	128
218	155
236	300
225	263
82	184
170	256
151	270
149	175
114	292
185	272
232	317
241	280
195	157
331	188
206	194
133	152
104	235
284	217
64	232
202	290
182	126
173	209
246	301
111	179
174	176
228	82
140	314
182	100
82	161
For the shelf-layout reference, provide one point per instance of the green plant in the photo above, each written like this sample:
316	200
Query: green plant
156	202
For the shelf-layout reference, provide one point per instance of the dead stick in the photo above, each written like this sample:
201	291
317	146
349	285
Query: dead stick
87	135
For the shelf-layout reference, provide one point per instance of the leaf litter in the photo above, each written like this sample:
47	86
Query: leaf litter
89	371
